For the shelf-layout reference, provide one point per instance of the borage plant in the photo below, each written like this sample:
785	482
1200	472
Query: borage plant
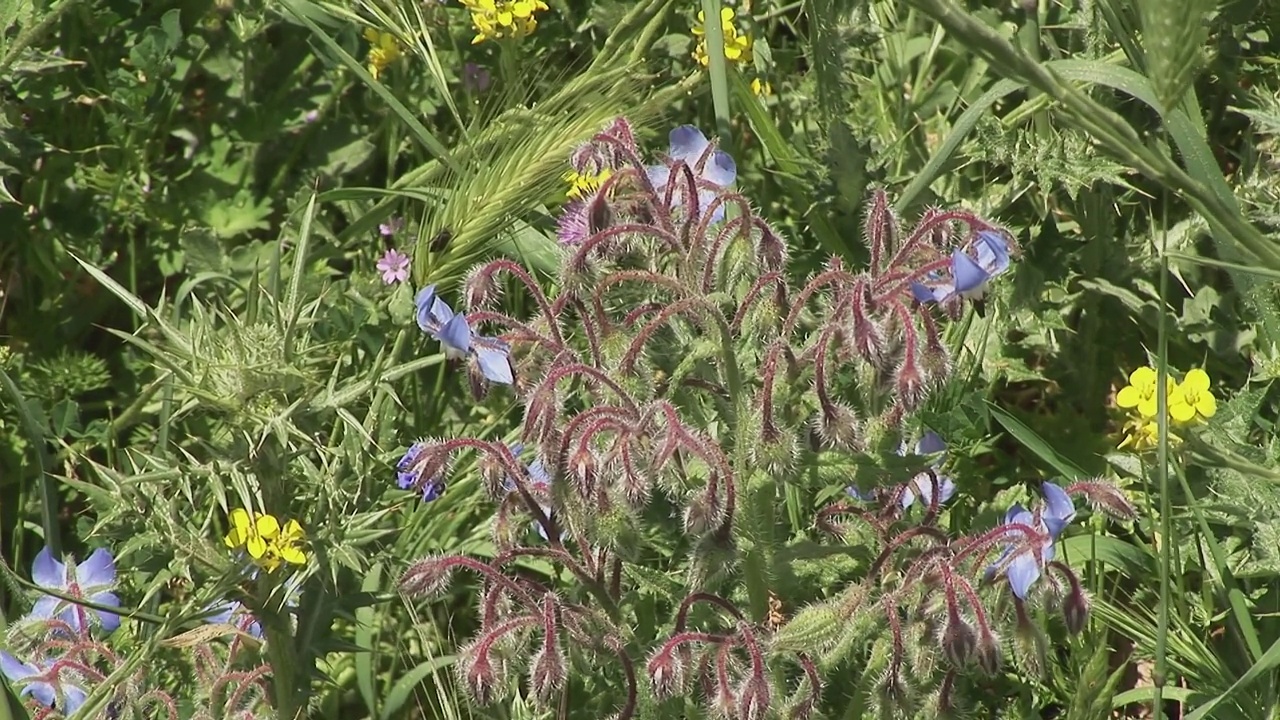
678	372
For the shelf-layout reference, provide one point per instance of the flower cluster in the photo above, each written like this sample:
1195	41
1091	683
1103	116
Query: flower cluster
64	659
678	366
269	543
1190	402
384	49
488	358
495	19
737	47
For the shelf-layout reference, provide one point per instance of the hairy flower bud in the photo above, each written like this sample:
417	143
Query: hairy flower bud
988	653
837	425
1075	609
480	672
812	630
547	674
1104	497
426	578
754	697
666	673
959	642
481	290
1029	646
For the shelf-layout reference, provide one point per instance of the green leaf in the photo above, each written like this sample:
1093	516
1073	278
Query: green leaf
1036	444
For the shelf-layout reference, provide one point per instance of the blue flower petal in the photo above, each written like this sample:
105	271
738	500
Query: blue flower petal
1059	510
433	490
930	443
48	572
73	698
44	608
494	361
15	669
455	336
687	144
968	274
720	169
857	494
98	570
538	473
110	621
43	692
1022	574
659	176
993	252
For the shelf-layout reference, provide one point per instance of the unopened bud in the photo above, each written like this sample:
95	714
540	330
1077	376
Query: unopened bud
754	698
959	642
479	673
546	674
426	577
988	654
666	674
480	290
1075	609
1104	497
838	427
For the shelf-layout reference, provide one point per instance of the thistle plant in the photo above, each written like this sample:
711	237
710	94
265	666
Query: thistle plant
678	371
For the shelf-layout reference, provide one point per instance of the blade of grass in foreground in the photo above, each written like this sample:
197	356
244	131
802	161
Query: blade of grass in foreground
33	427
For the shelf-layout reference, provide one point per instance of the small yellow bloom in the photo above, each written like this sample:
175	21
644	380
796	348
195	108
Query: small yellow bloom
268	544
737	47
1140	393
581	184
761	88
495	19
1143	435
384	49
1192	399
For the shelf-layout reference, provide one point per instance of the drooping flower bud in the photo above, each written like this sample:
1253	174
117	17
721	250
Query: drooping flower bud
959	642
666	673
1075	609
426	578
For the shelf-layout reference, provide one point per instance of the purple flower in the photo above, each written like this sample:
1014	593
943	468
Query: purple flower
540	482
573	225
1031	554
920	486
391	227
489	356
969	275
409	474
394	267
92	580
311	116
475	78
690	146
42	683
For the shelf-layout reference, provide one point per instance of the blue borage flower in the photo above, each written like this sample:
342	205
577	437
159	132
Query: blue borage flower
488	356
921	486
1024	561
93	580
540	481
42	680
969	274
410	474
710	166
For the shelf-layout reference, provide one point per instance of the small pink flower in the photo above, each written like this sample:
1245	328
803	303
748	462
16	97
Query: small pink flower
394	267
391	227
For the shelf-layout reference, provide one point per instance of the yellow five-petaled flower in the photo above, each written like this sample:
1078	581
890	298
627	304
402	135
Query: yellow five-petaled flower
737	48
1189	402
384	49
495	19
268	543
581	184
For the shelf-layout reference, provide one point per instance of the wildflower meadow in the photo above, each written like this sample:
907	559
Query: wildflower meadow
639	359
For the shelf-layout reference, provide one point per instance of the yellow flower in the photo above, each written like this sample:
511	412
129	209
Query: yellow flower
1140	393
494	19
581	184
737	48
1143	434
268	544
761	88
1192	399
384	49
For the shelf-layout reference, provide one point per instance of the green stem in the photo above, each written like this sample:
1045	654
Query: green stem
1160	674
